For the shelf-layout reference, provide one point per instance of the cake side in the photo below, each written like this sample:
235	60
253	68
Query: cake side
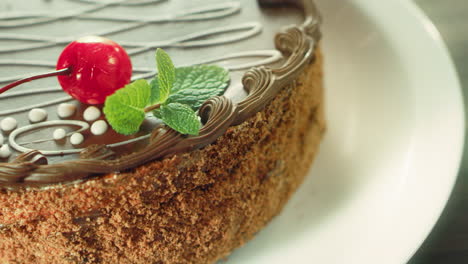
189	208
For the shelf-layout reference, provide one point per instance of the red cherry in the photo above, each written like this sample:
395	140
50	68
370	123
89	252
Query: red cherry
89	69
98	67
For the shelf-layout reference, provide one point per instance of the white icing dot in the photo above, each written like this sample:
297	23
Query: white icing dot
99	127
66	110
76	139
91	113
5	151
8	124
60	134
1	140
37	115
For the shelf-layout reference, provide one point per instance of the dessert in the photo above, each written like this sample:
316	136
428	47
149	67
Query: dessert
157	196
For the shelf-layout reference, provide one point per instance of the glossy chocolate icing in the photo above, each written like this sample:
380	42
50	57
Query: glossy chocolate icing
296	44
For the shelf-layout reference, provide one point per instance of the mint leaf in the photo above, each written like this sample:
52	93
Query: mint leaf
180	118
166	77
194	85
124	109
155	97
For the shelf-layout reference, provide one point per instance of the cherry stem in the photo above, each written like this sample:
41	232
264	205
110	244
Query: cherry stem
65	71
151	108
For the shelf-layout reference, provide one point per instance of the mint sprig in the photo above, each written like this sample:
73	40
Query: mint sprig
173	96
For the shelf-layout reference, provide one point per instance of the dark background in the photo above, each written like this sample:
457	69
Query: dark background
448	242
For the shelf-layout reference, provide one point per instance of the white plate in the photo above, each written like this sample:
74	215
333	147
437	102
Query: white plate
393	147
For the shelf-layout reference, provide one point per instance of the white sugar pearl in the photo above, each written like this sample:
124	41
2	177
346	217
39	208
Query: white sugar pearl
60	134
5	151
8	124
91	113
76	139
66	110
37	115
1	140
99	127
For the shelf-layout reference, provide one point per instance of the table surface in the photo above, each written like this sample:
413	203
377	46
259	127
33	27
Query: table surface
448	242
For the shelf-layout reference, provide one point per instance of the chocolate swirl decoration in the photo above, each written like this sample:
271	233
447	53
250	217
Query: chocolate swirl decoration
296	43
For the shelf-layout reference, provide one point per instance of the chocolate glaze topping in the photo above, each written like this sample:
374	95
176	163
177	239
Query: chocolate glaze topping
296	43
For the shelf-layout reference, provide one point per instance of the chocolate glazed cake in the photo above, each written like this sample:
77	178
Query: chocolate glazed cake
159	196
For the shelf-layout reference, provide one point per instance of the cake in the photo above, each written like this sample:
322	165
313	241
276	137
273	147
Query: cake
159	197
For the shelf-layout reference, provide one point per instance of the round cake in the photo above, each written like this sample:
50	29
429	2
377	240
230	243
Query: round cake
158	196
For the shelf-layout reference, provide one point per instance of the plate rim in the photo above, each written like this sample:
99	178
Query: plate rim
415	10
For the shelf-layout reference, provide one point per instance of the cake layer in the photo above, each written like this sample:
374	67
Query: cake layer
188	208
162	197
